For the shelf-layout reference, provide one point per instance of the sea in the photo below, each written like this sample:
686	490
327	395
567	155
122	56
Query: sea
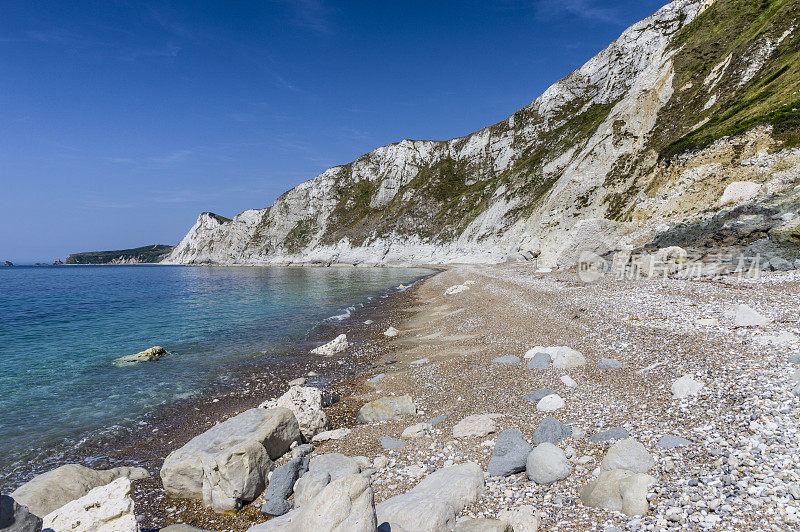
63	327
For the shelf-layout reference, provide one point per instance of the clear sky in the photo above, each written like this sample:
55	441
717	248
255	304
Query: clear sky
121	121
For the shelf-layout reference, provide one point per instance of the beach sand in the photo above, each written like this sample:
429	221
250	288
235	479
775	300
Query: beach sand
746	411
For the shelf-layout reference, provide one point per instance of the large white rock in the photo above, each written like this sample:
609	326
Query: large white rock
628	454
305	402
474	426
739	192
386	408
337	345
106	508
228	464
620	490
432	505
52	490
747	317
685	386
344	505
391	332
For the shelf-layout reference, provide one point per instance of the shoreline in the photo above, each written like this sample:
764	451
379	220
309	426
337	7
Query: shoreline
254	378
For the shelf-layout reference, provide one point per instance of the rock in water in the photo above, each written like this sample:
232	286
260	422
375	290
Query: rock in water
104	508
552	431
227	465
510	454
474	426
337	345
52	490
628	454
614	433
147	355
433	504
747	317
619	490
521	518
550	403
305	402
309	486
386	408
16	518
685	386
547	464
391	332
280	486
336	464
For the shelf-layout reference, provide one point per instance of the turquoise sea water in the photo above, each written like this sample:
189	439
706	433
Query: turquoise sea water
61	328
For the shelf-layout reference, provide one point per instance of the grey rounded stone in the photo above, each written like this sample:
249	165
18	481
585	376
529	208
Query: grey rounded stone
508	359
510	454
609	363
280	486
670	441
552	431
547	464
337	464
537	395
540	361
387	442
309	486
615	433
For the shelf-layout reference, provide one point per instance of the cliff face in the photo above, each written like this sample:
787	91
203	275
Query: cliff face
583	166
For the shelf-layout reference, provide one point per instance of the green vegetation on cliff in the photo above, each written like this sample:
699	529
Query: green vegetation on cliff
144	254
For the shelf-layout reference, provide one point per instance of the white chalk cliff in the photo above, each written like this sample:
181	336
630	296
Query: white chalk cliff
584	166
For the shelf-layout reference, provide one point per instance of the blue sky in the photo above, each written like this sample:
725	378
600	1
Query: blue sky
121	121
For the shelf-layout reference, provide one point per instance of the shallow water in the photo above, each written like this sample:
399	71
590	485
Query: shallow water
61	328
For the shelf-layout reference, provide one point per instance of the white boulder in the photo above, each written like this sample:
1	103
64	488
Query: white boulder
227	465
337	345
391	332
685	386
547	464
433	504
106	508
337	434
521	518
305	402
550	403
386	408
474	426
747	317
52	490
740	192
619	490
628	454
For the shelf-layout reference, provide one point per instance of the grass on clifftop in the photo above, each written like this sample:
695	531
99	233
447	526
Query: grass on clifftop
734	28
